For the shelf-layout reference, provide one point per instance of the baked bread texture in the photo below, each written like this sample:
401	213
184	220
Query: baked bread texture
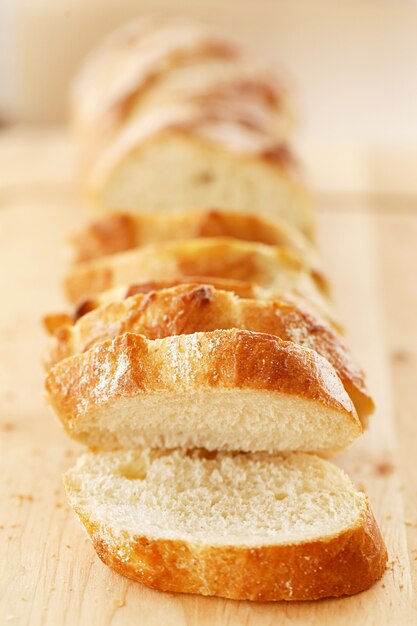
199	156
247	527
186	309
224	390
120	232
277	270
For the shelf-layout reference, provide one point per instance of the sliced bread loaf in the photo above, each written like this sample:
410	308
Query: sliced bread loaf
187	309
247	527
224	390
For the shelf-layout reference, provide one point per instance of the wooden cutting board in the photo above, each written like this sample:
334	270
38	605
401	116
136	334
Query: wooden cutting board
49	573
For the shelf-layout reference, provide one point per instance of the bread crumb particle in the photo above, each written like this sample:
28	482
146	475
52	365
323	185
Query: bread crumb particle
383	469
410	523
118	602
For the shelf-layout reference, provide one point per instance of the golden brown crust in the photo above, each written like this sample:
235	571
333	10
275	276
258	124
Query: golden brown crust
132	366
187	309
343	565
123	231
274	268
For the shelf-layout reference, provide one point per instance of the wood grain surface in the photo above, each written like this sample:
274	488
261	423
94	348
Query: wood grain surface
49	574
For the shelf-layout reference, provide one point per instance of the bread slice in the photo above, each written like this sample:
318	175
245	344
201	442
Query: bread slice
247	527
196	156
154	61
276	269
120	232
187	309
224	390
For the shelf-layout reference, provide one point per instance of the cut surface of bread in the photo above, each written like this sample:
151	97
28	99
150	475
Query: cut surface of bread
224	390
187	309
120	232
251	527
276	269
195	157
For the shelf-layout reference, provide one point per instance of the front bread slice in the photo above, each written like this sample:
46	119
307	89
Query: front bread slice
187	309
246	527
224	390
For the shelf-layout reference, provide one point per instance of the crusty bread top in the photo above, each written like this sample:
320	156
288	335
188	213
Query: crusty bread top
239	526
186	309
131	392
223	358
119	232
277	269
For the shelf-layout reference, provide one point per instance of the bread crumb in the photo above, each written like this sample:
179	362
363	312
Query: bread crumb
383	469
21	497
8	427
400	355
118	602
410	523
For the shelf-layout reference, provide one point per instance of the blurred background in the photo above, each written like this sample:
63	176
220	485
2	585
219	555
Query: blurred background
354	63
